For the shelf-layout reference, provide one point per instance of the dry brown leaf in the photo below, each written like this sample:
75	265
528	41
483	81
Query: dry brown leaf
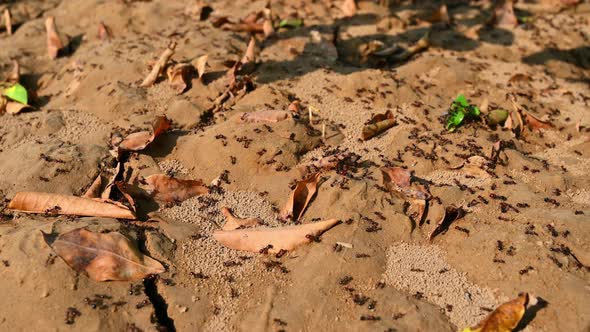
300	197
474	166
95	188
106	194
515	123
159	66
54	42
272	239
270	116
451	213
201	64
503	15
421	45
378	124
348	8
138	141
505	318
398	181
8	21
535	123
171	190
179	76
251	27
520	78
14	75
15	108
232	222
122	187
416	210
103	256
295	106
38	202
104	32
220	21
250	55
267	28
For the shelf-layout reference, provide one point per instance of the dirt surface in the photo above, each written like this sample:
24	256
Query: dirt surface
526	227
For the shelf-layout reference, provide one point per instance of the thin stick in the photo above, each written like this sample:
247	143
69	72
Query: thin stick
323	131
159	66
310	116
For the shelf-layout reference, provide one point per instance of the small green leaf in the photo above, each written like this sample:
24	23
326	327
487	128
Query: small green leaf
454	120
291	23
462	101
474	111
16	92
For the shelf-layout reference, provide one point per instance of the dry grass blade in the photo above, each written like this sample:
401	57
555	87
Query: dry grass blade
138	141
300	197
274	239
103	256
270	116
54	42
159	66
8	21
505	318
171	190
38	202
378	124
232	222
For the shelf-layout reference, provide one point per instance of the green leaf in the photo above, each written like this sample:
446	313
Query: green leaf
454	120
474	111
461	100
17	92
291	23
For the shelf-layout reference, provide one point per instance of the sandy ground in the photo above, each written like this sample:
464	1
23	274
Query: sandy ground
391	279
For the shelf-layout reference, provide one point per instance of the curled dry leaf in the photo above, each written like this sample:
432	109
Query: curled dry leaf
103	256
270	116
274	239
250	55
160	65
503	15
232	222
37	202
95	188
300	197
54	42
138	141
378	124
450	214
8	21
201	64
505	318
104	32
171	190
179	76
348	8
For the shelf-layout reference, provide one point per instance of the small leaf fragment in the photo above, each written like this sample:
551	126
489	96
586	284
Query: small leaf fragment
17	92
378	124
291	23
232	222
172	190
300	197
103	256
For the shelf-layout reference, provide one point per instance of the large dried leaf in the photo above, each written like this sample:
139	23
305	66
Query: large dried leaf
103	256
54	42
504	16
232	222
270	116
138	141
172	190
160	65
534	123
300	197
505	318
274	239
38	202
378	124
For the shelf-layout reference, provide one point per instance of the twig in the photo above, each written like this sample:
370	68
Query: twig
159	66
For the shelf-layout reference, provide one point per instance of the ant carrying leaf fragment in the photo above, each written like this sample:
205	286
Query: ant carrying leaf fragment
460	110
